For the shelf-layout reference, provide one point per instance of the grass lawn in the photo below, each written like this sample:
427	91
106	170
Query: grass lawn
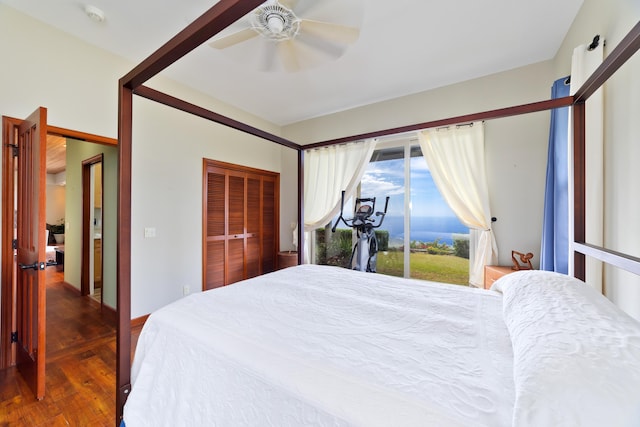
437	268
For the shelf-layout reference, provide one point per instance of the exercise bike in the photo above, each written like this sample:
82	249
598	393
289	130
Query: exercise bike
365	249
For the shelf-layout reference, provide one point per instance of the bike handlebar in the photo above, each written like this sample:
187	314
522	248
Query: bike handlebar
360	223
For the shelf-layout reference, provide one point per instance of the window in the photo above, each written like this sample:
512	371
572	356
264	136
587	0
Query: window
418	218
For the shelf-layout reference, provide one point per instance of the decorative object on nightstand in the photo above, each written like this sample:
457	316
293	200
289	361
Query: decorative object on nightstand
525	259
494	272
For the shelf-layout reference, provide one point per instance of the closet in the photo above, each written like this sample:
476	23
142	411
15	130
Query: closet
240	223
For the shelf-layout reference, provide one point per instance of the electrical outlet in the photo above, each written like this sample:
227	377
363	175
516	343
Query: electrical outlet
186	290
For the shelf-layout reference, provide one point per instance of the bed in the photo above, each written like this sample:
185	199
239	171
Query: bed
325	346
592	390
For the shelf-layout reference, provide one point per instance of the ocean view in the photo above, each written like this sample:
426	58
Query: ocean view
424	229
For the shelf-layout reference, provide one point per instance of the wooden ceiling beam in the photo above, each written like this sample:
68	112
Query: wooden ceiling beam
484	115
216	19
190	108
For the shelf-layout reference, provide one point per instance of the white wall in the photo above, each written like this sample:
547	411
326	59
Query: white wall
288	197
516	160
46	67
55	202
167	195
168	151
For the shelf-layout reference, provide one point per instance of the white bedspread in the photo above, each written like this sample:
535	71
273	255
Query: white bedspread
323	346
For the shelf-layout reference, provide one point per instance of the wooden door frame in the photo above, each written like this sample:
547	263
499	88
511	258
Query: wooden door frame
7	290
86	214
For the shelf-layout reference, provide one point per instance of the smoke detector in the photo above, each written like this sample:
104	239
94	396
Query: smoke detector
95	14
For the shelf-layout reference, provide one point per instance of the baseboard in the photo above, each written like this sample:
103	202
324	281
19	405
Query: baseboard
109	314
70	287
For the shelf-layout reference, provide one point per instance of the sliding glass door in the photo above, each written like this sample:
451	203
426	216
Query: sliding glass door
420	237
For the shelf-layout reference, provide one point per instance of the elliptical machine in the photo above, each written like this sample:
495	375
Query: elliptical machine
365	249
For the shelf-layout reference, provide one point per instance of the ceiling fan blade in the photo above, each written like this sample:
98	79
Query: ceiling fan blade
346	12
308	7
233	39
331	32
269	54
288	56
289	4
311	49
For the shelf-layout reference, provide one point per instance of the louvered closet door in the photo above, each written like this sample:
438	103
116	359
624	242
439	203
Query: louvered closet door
269	223
254	225
236	228
216	229
240	208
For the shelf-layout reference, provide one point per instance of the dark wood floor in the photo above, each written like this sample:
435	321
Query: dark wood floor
80	372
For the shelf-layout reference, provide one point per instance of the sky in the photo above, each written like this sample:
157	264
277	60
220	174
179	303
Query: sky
386	178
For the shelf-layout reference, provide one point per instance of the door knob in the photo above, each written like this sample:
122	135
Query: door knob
34	266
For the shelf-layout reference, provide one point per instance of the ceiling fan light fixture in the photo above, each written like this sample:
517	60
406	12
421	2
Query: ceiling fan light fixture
276	22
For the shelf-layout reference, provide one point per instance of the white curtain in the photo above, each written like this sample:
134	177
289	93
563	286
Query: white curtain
327	172
583	63
455	157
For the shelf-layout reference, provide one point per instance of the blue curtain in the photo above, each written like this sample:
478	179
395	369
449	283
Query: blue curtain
554	253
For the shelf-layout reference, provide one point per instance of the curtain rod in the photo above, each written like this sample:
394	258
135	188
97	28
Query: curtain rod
458	126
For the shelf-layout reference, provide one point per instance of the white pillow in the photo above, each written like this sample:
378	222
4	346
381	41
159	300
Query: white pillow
576	355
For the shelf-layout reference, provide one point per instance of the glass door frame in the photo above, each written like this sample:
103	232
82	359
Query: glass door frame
404	141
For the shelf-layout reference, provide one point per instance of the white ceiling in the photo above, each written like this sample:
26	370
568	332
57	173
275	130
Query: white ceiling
404	47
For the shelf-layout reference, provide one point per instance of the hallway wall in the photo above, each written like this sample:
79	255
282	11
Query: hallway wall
77	151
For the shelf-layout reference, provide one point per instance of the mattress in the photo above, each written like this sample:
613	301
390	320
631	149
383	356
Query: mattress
325	346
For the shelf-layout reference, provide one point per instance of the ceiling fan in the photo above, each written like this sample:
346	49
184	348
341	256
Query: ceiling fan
293	34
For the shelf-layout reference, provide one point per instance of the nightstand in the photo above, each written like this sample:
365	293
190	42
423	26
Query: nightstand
494	272
287	259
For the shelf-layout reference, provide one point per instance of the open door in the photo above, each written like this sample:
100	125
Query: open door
31	246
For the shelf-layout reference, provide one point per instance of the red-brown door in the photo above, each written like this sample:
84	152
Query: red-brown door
31	246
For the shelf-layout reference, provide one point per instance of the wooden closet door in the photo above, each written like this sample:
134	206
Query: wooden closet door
270	227
215	232
254	225
240	223
236	228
